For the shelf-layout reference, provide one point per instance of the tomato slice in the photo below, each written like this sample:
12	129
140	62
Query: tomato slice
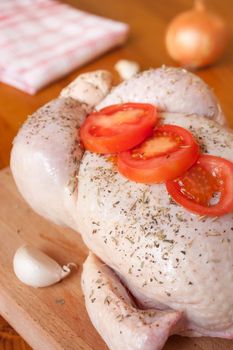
118	128
206	188
167	154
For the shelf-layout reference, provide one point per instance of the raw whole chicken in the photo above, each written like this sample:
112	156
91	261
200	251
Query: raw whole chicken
154	269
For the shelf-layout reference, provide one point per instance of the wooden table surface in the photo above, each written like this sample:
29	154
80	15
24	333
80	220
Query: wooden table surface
148	20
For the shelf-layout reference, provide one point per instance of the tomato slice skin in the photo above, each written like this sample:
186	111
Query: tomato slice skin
118	128
223	170
167	166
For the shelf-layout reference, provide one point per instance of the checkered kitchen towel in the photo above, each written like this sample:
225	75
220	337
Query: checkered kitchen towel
42	40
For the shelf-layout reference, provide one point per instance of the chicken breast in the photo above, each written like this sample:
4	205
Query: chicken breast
166	256
171	90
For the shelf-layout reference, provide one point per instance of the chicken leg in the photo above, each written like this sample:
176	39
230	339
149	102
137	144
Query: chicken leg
115	316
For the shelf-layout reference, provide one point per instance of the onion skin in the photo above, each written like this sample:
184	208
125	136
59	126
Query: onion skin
196	38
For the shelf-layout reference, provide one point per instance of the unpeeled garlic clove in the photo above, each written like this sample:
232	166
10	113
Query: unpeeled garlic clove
127	69
36	269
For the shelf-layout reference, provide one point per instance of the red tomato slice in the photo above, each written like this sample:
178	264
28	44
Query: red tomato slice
118	128
167	154
206	188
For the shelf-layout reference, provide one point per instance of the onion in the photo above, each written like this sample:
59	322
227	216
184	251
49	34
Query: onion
196	38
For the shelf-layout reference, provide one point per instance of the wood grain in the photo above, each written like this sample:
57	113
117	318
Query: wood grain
53	318
10	339
50	318
148	20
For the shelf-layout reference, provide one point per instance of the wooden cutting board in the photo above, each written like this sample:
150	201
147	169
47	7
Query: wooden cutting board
53	318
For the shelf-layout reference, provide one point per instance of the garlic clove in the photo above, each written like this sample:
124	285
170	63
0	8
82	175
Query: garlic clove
36	269
127	69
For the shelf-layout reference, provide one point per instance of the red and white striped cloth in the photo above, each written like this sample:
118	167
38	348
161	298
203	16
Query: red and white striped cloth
42	40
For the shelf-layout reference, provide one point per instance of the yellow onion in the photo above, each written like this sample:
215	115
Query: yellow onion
197	37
